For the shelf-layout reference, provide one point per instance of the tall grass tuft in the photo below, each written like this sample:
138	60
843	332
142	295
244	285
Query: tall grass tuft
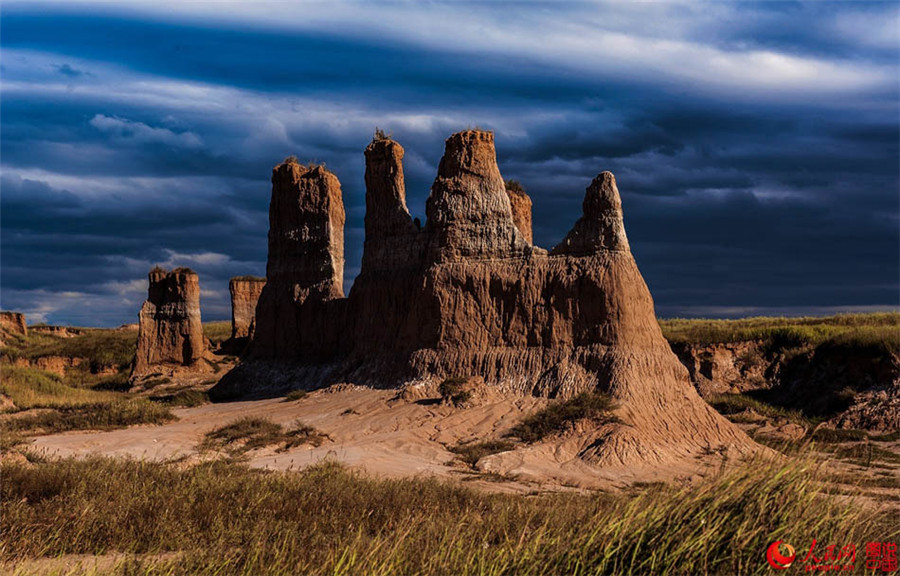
326	520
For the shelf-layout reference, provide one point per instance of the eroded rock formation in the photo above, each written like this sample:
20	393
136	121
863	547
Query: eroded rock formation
469	296
170	333
245	291
14	322
520	204
305	268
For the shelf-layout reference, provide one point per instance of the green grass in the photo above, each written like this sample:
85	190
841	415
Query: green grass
100	348
217	332
227	519
472	452
249	433
878	331
559	416
33	388
120	413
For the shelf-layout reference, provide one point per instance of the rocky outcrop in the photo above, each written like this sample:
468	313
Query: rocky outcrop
58	331
305	267
245	291
170	333
848	385
520	204
13	322
471	297
601	226
726	367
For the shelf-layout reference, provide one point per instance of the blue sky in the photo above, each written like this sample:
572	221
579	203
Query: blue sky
756	145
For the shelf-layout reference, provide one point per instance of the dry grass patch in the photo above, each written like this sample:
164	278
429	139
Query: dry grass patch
472	452
249	433
562	415
102	416
228	519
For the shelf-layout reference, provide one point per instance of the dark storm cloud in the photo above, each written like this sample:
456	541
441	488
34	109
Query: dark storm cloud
757	146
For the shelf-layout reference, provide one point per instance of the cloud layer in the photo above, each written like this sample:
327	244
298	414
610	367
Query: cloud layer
757	146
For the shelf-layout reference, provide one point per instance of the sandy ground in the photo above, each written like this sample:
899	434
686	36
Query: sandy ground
377	432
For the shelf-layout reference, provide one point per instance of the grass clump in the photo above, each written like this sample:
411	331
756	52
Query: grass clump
515	186
182	398
250	433
452	391
102	416
559	416
472	452
228	519
732	405
296	395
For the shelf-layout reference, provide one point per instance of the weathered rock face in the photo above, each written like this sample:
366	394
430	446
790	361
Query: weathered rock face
601	226
14	322
521	212
471	297
468	211
170	332
245	291
305	268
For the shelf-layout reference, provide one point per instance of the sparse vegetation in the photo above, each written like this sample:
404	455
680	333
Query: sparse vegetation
119	413
182	398
472	452
558	416
295	395
880	330
98	348
732	405
380	135
514	186
451	390
225	518
249	433
217	332
32	388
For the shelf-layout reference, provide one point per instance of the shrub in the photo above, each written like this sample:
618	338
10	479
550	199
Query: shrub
296	395
451	390
472	452
515	186
558	416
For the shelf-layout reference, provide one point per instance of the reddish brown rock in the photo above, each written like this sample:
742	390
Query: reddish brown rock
170	333
305	267
471	297
14	322
468	211
245	291
520	204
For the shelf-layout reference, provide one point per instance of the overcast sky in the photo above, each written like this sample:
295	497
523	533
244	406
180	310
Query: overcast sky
756	146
